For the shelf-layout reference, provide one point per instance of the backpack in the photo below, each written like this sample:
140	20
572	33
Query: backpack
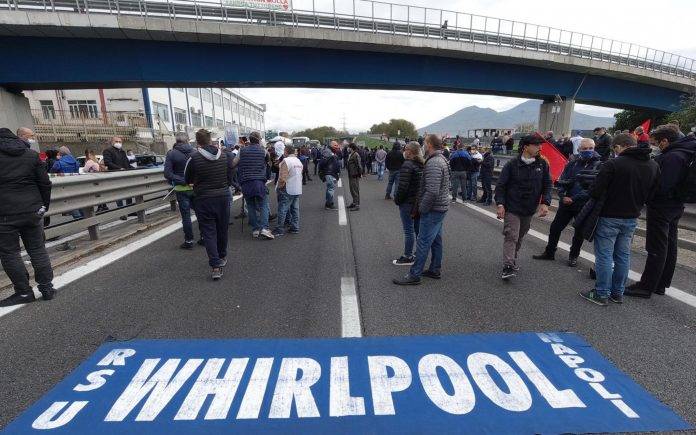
686	189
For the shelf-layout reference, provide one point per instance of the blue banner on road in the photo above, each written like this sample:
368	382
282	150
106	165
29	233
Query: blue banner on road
478	383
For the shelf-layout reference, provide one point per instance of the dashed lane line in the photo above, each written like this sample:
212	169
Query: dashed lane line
342	218
350	312
672	292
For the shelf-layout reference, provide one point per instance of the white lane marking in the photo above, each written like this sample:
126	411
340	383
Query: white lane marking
350	311
340	183
672	292
342	218
98	263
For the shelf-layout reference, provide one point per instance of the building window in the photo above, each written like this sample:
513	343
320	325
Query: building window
218	100
193	92
196	119
220	123
162	111
179	89
83	109
227	104
180	116
207	95
236	107
47	109
208	121
228	124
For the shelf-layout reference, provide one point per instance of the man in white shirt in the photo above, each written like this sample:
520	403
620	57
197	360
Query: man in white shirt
289	190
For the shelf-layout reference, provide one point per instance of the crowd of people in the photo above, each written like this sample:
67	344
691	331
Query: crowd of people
602	191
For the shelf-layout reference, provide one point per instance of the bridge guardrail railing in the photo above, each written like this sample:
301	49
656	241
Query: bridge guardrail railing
391	18
87	191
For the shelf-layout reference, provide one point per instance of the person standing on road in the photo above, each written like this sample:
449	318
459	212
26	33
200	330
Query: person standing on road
664	210
473	174
433	203
174	167
116	159
574	187
395	159
460	164
354	176
380	158
330	172
406	196
252	171
603	143
209	171
289	190
523	188
623	186
24	199
486	172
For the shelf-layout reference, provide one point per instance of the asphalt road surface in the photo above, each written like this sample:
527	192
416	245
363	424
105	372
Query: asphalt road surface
293	287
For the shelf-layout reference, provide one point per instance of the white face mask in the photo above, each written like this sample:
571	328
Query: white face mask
118	145
31	141
527	160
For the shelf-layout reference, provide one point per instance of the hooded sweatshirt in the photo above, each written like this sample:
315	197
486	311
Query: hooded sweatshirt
210	171
673	162
25	184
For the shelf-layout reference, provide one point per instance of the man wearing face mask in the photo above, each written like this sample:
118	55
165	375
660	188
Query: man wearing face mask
574	187
524	187
27	136
116	159
664	211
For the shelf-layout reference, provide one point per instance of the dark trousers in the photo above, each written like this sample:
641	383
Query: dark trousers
184	200
316	165
486	181
29	227
661	244
354	185
213	220
563	217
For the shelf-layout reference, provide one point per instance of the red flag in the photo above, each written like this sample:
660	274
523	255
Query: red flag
557	161
646	126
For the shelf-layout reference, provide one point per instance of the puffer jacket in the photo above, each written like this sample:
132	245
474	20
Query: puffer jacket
66	165
410	176
175	163
435	186
674	163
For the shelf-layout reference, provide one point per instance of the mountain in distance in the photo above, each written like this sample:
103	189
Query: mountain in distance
474	117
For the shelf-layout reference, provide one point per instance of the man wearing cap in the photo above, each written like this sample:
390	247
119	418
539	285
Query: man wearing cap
524	187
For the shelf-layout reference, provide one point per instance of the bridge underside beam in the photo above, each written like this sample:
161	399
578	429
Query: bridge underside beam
89	63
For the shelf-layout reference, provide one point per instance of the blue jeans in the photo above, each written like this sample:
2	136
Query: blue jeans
410	227
613	254
429	239
288	204
471	185
393	182
258	212
184	200
380	170
330	188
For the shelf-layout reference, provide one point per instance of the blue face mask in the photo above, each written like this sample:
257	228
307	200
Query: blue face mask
586	155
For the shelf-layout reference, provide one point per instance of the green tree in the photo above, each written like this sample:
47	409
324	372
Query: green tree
686	116
395	128
630	119
318	133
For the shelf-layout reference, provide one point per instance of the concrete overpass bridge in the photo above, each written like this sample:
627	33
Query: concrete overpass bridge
360	44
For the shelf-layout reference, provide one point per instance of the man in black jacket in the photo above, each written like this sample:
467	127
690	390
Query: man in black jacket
395	158
116	159
210	172
603	142
623	186
486	174
330	172
664	212
524	187
174	166
24	199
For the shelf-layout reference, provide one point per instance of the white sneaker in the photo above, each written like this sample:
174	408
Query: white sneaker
266	234
255	234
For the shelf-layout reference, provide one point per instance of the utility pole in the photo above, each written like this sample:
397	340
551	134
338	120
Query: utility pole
344	122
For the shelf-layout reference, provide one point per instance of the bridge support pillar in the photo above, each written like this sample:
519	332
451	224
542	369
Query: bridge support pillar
556	116
14	111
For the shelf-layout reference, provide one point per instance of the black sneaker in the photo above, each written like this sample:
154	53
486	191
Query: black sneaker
387	197
201	242
636	291
278	232
47	295
516	268
216	274
617	299
430	274
404	261
660	291
186	245
18	299
272	217
355	208
544	256
351	206
573	262
593	274
508	272
592	296
407	280
330	207
223	262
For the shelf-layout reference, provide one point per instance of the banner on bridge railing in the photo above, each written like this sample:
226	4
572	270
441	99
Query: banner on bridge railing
473	384
272	5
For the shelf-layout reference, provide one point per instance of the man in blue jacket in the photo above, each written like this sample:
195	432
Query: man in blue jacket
524	187
174	167
573	191
460	164
330	172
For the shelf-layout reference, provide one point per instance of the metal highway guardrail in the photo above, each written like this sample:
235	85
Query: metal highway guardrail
389	18
86	192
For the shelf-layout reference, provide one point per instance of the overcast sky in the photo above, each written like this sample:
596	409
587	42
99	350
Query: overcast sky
666	25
